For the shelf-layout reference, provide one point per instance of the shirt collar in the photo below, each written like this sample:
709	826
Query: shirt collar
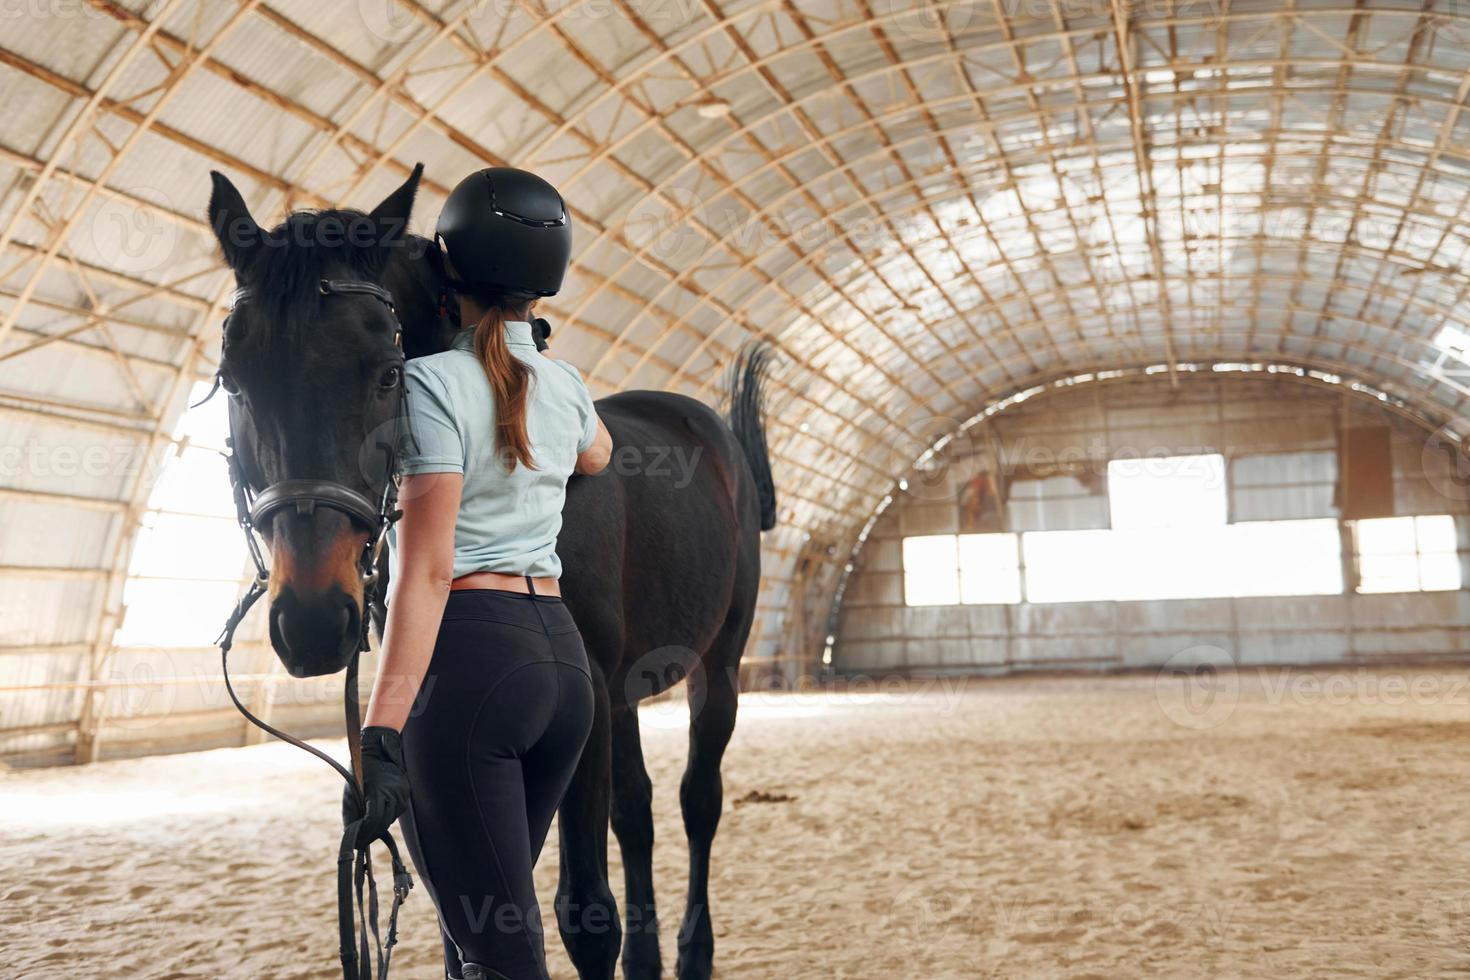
517	334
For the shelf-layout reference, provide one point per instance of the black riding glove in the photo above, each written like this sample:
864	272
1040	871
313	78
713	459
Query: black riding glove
385	785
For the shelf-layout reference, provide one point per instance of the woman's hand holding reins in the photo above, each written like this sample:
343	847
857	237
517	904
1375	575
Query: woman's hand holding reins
385	785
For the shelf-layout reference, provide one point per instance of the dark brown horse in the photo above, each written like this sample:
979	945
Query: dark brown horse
661	552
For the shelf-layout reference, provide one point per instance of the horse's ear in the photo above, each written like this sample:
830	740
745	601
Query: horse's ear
392	215
238	234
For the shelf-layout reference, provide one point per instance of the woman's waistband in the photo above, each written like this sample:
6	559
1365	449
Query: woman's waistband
542	613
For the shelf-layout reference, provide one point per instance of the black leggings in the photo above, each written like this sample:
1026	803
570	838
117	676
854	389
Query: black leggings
491	746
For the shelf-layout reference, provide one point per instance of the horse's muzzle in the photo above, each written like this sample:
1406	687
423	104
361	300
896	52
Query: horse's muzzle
315	636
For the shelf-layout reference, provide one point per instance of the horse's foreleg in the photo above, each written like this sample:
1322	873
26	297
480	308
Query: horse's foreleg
586	911
713	697
632	821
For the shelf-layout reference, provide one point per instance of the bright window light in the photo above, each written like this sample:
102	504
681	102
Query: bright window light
931	570
189	558
1453	339
973	569
990	571
1170	540
1070	566
1407	554
1256	558
1169	491
1285	558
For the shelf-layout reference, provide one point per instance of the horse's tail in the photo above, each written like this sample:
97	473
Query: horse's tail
747	383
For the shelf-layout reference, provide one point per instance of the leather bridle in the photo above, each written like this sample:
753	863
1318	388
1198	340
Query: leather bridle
254	511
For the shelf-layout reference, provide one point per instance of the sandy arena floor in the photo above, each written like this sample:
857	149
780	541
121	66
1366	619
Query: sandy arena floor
1297	824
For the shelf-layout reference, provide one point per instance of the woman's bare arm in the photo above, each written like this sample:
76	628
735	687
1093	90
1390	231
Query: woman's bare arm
425	569
596	457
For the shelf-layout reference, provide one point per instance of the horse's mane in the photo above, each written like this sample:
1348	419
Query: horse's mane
425	302
308	246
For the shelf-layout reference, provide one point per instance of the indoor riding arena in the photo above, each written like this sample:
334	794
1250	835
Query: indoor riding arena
1098	370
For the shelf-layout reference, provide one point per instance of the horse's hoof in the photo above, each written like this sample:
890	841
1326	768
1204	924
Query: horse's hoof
696	962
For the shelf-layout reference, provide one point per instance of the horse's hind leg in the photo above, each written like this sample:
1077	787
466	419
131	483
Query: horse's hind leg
586	911
632	821
713	694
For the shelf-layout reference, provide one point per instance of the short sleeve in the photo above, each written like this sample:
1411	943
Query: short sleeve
587	412
437	447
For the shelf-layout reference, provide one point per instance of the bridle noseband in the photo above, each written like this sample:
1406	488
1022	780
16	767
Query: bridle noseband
254	511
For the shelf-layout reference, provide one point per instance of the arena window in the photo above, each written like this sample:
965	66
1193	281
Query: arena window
1257	558
1453	340
189	557
990	569
1167	491
931	570
969	569
1407	554
1169	540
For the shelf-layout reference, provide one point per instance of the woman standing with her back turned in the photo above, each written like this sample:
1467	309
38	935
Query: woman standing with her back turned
476	627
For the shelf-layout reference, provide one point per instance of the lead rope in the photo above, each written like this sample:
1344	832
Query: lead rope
354	864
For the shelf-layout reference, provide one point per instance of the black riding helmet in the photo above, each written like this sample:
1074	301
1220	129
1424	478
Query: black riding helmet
506	231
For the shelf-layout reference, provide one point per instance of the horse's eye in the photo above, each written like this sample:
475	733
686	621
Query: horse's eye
392	377
228	383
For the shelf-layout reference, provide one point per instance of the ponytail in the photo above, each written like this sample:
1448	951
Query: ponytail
510	380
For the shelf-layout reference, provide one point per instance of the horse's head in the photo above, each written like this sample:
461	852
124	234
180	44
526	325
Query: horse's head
314	372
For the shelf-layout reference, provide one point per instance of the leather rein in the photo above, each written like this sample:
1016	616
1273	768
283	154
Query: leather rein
355	917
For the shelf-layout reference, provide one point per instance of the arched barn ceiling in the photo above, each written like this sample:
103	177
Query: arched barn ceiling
928	206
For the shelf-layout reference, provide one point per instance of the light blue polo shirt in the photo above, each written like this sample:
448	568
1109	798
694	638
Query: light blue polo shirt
508	521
